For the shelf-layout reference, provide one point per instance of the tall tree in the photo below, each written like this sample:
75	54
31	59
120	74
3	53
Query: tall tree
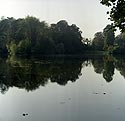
5	33
98	41
109	37
68	37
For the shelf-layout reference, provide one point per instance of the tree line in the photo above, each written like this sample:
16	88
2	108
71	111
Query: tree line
30	36
108	42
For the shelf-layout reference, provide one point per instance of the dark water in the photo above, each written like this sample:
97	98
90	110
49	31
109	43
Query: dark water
89	89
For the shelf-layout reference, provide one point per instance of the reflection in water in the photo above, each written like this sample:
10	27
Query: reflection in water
108	69
120	66
104	66
30	74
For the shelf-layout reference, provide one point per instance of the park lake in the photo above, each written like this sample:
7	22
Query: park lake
62	89
62	60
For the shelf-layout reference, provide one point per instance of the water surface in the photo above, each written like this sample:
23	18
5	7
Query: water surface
89	89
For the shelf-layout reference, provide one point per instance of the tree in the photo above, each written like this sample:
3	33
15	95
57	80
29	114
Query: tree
60	48
33	27
19	30
46	46
31	36
109	37
117	12
120	44
98	41
24	47
120	40
5	34
13	48
68	37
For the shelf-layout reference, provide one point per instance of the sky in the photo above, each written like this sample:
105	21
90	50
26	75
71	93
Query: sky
89	15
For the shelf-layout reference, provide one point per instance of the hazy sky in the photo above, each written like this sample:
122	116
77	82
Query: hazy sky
89	15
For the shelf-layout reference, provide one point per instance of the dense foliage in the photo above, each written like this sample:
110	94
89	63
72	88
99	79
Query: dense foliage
120	44
117	12
31	36
98	41
104	41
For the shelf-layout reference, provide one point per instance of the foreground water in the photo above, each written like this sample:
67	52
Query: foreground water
62	90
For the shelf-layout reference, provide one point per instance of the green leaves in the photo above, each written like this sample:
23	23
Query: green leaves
28	36
117	12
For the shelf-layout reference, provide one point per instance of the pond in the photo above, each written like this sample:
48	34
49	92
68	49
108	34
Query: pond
68	89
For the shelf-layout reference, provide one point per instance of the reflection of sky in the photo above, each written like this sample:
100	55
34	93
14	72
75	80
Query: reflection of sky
73	102
89	15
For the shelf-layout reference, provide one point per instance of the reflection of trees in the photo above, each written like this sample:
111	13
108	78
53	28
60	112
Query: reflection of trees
120	66
104	66
4	71
98	65
65	72
107	65
108	69
30	74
